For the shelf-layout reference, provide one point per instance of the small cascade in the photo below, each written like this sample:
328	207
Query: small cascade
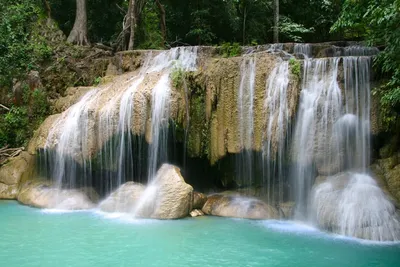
159	124
303	49
277	108
319	107
246	119
72	139
80	132
357	95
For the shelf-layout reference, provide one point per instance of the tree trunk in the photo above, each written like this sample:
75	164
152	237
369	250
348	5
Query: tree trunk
132	21
162	22
48	9
244	25
78	34
276	21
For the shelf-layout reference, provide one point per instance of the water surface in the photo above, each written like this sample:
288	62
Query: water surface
32	237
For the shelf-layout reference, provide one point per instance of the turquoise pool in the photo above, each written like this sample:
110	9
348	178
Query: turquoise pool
32	237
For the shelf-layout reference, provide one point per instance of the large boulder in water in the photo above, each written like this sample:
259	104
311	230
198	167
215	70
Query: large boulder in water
166	197
11	174
172	197
352	204
239	207
42	194
124	199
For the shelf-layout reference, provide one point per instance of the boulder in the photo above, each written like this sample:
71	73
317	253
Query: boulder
196	213
199	199
123	199
172	196
166	197
11	174
353	204
238	207
42	194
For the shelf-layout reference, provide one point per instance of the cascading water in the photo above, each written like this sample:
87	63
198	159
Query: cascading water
304	49
331	138
81	131
246	117
319	108
276	105
72	143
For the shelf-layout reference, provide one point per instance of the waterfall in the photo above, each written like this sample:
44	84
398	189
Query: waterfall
303	49
246	119
319	107
73	143
277	108
357	95
332	141
81	131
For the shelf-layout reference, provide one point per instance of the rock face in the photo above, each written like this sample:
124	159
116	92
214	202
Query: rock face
41	194
123	199
199	199
388	169
239	207
352	204
11	174
166	197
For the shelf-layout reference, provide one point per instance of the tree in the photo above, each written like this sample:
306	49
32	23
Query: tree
162	21
276	21
78	34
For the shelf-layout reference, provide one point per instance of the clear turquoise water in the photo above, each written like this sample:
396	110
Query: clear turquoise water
31	237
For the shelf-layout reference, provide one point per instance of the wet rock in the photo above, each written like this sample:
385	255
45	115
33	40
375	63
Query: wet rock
11	174
123	199
173	197
199	199
166	197
42	194
196	213
239	207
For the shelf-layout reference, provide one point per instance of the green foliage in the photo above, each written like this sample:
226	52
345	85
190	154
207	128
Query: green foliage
292	30
177	76
97	80
14	127
150	36
295	67
20	48
378	23
201	29
230	50
17	124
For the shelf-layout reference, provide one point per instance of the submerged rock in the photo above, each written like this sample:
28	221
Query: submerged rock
166	197
239	207
41	194
11	174
352	204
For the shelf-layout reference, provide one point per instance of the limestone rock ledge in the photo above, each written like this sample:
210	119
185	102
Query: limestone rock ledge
12	173
41	194
239	207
